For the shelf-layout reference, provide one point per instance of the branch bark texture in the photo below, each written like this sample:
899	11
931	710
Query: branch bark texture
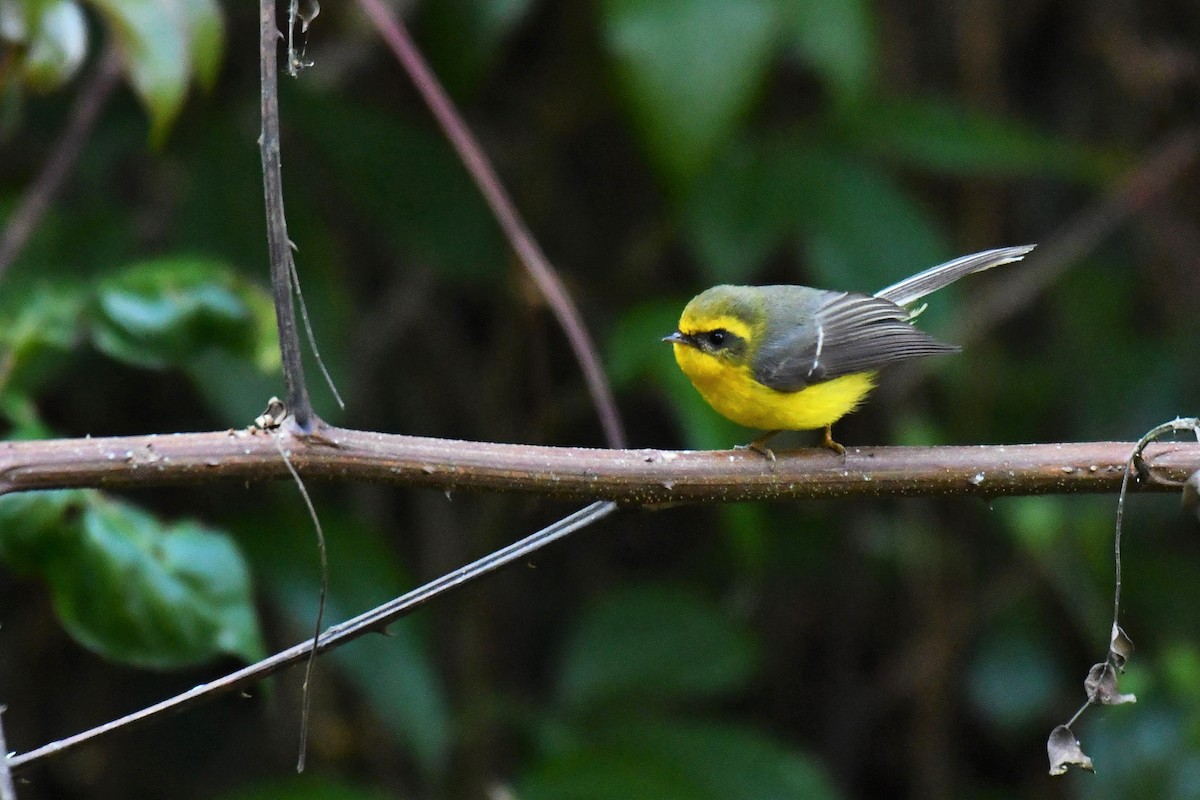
632	477
279	245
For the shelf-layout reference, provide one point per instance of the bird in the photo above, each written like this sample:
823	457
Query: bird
787	357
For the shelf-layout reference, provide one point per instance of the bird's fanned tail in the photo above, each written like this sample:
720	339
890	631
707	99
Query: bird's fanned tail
914	288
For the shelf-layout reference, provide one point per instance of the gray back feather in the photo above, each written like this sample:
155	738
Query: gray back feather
833	334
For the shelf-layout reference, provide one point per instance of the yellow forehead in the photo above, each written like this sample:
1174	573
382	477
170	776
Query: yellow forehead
697	321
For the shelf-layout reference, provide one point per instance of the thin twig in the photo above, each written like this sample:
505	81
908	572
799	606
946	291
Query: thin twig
1119	644
306	702
1136	458
279	244
292	58
635	477
312	337
7	790
64	153
1120	522
375	620
540	270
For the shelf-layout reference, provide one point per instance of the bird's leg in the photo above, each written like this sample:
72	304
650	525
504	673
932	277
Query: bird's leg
830	443
759	445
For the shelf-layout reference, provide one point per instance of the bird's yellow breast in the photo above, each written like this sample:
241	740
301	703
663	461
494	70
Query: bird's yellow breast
732	390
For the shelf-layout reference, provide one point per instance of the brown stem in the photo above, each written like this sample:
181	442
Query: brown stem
280	246
635	477
63	154
540	270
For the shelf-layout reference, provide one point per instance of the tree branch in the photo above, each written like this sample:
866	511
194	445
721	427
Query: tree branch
279	245
634	477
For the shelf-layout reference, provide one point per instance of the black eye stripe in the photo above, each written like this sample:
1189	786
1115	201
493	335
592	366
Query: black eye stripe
718	339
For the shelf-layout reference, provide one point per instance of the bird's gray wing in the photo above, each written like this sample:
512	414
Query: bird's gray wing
843	334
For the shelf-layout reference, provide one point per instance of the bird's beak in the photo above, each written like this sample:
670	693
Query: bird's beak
677	338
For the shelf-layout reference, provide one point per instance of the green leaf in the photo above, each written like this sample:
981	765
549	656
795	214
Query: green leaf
939	136
692	761
36	526
654	642
155	596
20	412
37	337
57	46
837	38
127	586
689	71
153	37
166	312
206	29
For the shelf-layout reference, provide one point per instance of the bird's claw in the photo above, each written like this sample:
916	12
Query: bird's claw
831	444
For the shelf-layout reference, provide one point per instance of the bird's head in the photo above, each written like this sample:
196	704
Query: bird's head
719	327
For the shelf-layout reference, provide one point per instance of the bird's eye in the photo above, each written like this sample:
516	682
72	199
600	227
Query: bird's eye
716	339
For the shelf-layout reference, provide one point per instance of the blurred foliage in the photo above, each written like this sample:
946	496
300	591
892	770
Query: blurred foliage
834	649
162	45
128	587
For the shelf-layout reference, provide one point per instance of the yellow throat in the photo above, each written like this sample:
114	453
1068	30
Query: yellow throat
732	390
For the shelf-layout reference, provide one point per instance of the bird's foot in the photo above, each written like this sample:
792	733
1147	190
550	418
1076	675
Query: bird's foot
759	446
831	444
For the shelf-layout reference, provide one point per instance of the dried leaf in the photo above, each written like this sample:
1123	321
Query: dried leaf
1120	647
308	11
1101	686
1064	751
1191	494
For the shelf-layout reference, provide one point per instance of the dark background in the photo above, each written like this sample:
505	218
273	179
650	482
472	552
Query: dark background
865	648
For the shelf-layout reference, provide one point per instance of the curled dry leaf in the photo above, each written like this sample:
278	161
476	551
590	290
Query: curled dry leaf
1101	686
1064	751
308	11
1120	647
